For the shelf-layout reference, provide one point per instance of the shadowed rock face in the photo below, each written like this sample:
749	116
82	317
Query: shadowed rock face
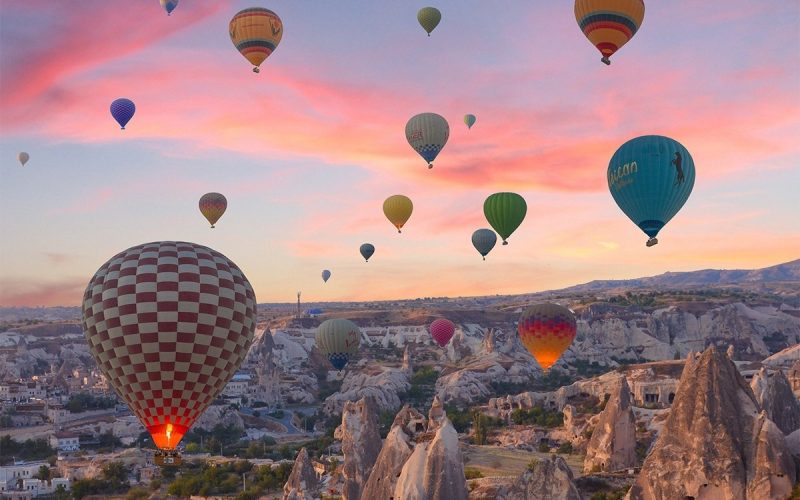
613	443
550	479
715	414
361	443
774	394
397	447
302	483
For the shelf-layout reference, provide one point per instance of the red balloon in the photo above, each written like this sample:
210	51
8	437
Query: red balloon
442	331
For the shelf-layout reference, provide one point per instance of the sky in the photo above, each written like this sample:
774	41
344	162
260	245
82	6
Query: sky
307	150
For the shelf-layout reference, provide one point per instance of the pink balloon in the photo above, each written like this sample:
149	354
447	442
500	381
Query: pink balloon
442	331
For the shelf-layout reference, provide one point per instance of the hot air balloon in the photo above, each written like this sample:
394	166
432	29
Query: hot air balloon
338	339
484	240
366	251
169	5
326	275
469	120
23	158
650	178
547	330
609	24
169	323
505	212
256	32
122	110
442	331
429	18
427	133
212	206
398	209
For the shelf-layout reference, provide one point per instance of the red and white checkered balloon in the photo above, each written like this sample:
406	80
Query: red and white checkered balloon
169	323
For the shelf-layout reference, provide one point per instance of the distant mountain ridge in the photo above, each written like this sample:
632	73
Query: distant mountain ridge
789	271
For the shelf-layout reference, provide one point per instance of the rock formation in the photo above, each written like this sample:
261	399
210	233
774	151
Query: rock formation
731	352
218	414
613	443
488	342
397	447
715	414
794	378
435	470
407	362
361	443
775	396
302	483
550	479
435	414
381	384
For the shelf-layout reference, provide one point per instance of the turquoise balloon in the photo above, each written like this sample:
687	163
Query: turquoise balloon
650	178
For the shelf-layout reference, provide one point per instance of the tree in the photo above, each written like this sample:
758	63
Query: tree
61	493
44	473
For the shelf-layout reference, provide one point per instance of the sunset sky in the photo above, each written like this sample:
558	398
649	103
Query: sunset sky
307	150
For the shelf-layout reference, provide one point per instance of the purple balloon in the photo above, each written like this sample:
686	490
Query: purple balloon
122	110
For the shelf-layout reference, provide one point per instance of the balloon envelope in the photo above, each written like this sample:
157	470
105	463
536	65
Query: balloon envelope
505	212
338	339
169	5
442	331
366	251
469	120
484	240
398	209
212	206
429	18
256	33
547	330
122	110
169	323
650	178
427	133
23	158
326	275
609	24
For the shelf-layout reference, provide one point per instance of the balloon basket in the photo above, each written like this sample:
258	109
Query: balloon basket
256	70
606	61
651	242
167	458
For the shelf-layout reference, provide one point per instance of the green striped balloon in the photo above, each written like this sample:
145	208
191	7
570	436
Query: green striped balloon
505	212
338	339
429	18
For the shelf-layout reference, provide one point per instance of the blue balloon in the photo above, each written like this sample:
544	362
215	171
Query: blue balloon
169	5
366	251
122	110
650	178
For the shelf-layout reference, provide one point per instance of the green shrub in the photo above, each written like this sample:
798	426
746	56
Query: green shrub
472	473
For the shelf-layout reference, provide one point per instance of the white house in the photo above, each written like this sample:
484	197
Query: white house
65	441
238	386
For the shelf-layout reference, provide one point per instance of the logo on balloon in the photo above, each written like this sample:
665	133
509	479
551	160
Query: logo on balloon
616	178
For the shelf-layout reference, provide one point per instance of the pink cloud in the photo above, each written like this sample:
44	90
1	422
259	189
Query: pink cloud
66	292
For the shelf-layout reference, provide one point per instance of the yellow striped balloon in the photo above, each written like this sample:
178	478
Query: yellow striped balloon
256	32
398	209
609	24
429	18
338	339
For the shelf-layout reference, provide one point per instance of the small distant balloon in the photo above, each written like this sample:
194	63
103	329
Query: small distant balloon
398	209
429	18
212	206
326	275
469	120
427	133
484	240
505	212
366	251
122	110
169	5
442	331
23	158
256	33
